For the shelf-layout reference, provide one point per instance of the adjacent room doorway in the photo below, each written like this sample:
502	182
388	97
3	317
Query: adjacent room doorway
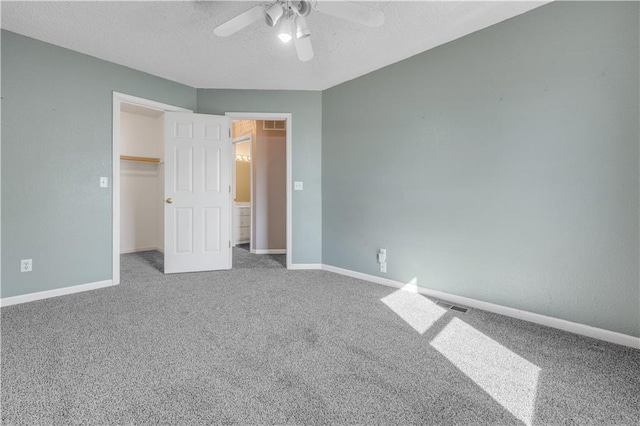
269	205
242	190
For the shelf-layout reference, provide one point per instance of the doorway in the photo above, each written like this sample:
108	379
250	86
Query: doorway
141	179
270	193
144	160
242	191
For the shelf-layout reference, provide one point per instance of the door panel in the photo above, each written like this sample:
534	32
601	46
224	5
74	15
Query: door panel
212	170
197	193
183	169
184	230
212	229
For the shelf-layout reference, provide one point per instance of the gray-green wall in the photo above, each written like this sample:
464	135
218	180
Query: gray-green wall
502	166
306	109
56	143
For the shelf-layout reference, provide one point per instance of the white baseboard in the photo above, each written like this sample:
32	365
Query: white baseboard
269	251
582	329
573	327
305	266
139	249
365	277
24	298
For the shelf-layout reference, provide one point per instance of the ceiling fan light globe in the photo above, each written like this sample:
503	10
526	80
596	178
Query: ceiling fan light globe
304	49
273	14
284	31
302	31
303	34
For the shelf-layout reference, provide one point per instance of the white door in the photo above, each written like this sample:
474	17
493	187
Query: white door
197	192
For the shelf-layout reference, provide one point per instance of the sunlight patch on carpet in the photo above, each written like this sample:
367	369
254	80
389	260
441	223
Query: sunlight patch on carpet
508	378
418	311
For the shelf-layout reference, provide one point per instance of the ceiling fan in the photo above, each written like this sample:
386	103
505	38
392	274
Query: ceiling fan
290	18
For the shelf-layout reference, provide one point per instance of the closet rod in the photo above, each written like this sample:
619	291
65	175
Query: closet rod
142	159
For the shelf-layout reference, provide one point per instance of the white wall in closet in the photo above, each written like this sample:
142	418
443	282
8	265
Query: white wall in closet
141	183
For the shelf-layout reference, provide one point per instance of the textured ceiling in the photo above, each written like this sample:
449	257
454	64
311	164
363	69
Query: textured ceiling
175	40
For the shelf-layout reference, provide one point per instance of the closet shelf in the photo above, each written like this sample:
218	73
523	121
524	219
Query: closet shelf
141	159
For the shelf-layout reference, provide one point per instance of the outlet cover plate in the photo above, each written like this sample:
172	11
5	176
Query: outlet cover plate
26	265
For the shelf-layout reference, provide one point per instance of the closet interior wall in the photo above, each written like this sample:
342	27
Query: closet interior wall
141	182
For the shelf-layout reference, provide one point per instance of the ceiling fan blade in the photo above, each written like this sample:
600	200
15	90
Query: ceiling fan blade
352	12
304	50
239	22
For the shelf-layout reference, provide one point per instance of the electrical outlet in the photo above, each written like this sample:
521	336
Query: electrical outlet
104	182
382	259
298	186
26	265
382	256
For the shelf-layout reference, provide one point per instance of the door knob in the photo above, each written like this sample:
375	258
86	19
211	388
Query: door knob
169	200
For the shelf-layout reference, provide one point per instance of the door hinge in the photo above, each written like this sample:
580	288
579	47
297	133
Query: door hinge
229	131
229	189
229	244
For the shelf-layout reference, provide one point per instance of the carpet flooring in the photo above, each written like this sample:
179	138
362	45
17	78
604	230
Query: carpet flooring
242	259
272	346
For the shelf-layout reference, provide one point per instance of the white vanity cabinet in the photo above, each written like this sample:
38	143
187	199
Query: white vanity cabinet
241	223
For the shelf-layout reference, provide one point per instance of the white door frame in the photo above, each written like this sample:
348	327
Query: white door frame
245	138
118	99
276	116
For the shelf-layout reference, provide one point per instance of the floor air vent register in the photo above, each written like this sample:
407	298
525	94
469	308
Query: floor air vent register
452	307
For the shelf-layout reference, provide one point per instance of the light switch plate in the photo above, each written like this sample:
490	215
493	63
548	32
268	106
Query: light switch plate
297	186
104	182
